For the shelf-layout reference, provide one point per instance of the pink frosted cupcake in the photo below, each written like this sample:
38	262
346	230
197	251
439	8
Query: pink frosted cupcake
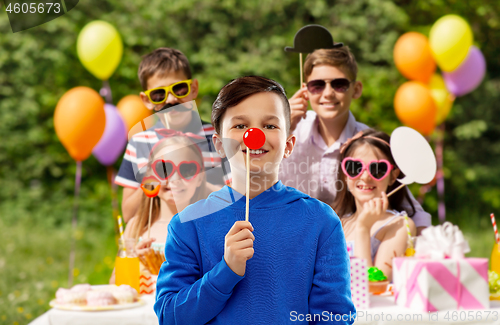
81	288
67	296
125	294
100	298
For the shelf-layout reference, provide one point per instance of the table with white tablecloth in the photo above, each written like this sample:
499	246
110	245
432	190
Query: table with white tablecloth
142	315
383	311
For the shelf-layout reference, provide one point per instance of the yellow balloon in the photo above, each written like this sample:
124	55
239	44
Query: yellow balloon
100	48
444	100
450	39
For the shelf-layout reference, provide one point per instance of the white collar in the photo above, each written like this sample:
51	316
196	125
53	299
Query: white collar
346	133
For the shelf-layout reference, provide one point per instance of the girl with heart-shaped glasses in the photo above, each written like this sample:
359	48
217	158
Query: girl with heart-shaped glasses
176	163
174	178
374	225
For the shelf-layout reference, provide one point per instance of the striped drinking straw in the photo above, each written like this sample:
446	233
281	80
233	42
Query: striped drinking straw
492	216
120	227
410	240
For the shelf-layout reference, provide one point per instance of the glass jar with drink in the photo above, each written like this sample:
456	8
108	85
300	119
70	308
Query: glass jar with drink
127	264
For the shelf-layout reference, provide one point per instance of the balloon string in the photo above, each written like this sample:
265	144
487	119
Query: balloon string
106	92
114	196
440	174
78	178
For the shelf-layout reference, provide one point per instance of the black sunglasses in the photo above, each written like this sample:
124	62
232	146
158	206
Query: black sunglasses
340	85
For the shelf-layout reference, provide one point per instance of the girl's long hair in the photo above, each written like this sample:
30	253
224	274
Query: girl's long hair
344	202
202	192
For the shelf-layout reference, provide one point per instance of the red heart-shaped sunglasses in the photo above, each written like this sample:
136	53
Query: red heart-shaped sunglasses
164	169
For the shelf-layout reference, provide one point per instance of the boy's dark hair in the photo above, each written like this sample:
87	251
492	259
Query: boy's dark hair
344	202
340	57
240	89
162	61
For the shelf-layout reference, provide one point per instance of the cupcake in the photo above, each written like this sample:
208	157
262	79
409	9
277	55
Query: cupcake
377	281
67	296
124	294
100	298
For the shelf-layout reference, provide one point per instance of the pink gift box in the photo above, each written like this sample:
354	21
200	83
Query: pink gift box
359	283
432	285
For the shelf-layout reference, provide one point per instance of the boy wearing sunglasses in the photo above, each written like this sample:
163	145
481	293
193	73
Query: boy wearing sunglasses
330	86
165	76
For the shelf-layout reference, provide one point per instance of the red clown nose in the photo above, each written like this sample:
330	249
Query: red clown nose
254	138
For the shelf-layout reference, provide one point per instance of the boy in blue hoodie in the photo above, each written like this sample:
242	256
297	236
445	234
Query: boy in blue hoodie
288	265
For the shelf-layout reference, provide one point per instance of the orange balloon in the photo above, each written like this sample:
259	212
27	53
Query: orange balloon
132	110
415	107
413	57
79	121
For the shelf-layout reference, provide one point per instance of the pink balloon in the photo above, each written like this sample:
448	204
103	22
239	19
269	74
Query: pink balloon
468	75
114	138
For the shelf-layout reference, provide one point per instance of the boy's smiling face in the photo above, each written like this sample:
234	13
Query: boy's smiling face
264	111
176	120
331	104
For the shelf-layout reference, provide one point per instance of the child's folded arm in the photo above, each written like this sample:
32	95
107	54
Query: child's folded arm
330	294
183	296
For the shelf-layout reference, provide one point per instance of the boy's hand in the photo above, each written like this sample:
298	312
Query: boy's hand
298	107
373	210
238	247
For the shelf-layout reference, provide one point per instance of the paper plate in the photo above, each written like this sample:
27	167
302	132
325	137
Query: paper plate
54	304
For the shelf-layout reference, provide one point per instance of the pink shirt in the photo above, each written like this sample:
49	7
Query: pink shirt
312	166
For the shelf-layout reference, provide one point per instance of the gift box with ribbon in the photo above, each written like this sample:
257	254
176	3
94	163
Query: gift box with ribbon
359	283
439	277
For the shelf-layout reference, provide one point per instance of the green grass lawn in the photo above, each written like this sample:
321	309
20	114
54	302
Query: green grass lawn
34	262
480	241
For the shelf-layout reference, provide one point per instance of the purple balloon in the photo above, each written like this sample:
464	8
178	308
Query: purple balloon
114	138
468	75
